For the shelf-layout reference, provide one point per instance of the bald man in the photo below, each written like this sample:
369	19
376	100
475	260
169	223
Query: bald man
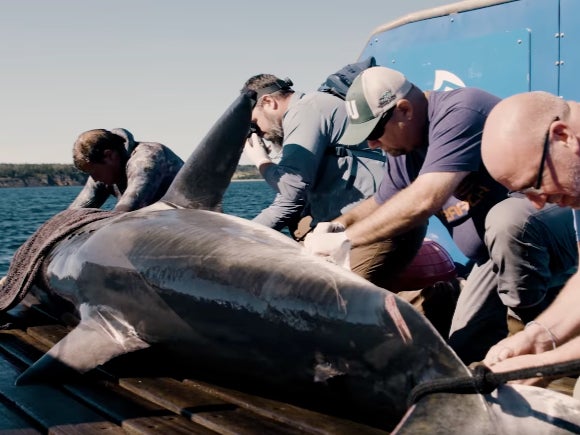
519	148
531	143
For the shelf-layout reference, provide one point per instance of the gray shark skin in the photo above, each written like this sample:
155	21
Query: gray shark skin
228	294
224	293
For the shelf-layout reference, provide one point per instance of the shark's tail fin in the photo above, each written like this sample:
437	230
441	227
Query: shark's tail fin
205	176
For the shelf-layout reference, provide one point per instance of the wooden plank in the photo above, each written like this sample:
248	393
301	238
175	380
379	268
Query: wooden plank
12	422
134	414
48	335
49	407
26	348
166	424
563	385
209	411
300	418
20	346
86	429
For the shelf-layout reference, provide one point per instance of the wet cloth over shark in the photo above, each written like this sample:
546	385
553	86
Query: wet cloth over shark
225	294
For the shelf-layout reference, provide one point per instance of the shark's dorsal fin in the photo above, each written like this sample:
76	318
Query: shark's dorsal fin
205	176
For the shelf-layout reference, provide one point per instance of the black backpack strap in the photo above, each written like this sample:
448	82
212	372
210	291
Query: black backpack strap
343	151
338	83
356	154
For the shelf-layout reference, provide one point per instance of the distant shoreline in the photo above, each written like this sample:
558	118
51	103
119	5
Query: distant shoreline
49	174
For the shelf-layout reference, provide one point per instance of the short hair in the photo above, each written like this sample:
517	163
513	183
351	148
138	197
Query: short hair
263	81
539	112
90	147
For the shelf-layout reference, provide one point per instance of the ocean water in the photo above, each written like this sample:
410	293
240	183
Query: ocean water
24	209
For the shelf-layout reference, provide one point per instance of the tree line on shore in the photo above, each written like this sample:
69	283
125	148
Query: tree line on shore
60	174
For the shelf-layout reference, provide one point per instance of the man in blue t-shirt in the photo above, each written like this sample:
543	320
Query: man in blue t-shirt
433	140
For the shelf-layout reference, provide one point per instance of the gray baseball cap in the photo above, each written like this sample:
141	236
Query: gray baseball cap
372	93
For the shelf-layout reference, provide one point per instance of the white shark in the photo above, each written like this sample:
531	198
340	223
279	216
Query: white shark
225	294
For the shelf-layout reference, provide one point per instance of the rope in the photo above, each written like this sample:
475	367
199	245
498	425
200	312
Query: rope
484	381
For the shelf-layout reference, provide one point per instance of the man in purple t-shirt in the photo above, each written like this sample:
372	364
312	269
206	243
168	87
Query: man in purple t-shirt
433	140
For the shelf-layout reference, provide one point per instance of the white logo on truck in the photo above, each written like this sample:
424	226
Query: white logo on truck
446	81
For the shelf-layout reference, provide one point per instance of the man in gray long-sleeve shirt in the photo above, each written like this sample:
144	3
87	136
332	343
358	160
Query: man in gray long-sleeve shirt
313	169
316	176
137	173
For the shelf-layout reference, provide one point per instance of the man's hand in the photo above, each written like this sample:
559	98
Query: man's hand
532	340
256	151
334	247
328	227
525	361
518	344
539	355
513	353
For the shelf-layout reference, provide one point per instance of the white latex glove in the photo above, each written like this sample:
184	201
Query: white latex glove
328	227
334	247
256	150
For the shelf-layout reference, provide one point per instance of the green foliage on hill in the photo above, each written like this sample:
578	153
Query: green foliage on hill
247	172
56	174
53	174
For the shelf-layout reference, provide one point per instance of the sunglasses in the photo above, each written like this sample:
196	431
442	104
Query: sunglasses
536	189
255	129
379	129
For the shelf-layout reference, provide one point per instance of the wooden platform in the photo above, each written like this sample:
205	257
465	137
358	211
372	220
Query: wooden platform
106	401
109	401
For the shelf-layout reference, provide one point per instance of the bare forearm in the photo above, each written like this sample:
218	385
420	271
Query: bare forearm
406	210
361	211
400	214
560	317
568	352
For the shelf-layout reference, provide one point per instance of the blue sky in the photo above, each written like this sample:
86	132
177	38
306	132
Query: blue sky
163	69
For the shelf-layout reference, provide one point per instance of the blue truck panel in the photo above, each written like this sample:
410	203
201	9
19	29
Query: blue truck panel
502	46
569	49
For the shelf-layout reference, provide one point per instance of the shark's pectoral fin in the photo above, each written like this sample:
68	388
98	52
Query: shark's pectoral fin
101	335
